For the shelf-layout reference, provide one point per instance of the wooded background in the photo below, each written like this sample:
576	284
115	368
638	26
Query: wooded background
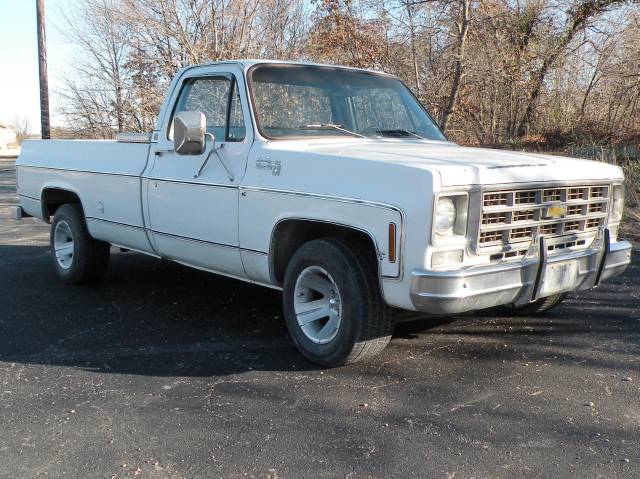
541	74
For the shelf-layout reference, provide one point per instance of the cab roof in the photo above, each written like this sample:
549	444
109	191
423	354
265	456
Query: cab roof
248	63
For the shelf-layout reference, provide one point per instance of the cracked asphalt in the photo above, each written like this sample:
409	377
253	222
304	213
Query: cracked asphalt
163	371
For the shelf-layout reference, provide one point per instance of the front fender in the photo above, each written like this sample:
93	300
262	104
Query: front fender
261	210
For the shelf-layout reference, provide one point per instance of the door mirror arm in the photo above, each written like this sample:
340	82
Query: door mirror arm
212	151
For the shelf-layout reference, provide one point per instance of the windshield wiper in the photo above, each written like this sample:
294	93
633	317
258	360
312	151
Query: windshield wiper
399	132
325	126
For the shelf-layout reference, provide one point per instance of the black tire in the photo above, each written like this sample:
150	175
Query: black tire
90	258
539	306
366	323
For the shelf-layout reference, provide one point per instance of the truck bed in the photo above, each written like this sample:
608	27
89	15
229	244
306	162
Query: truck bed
105	175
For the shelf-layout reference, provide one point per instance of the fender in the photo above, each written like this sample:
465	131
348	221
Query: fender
65	187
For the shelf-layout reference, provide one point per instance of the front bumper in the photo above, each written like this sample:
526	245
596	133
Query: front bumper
536	276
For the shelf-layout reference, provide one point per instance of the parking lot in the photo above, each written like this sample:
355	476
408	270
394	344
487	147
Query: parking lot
163	371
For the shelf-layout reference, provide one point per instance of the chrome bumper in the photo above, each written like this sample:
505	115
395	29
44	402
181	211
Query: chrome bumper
536	276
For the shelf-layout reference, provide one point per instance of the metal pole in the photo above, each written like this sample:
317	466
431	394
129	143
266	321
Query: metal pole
414	58
42	65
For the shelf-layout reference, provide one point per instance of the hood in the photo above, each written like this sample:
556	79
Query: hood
457	165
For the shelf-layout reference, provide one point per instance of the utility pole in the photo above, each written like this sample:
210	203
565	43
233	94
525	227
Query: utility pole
42	66
414	58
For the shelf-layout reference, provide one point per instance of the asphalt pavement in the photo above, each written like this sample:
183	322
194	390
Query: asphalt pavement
164	371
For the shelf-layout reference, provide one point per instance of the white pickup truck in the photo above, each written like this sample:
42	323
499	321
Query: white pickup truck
334	185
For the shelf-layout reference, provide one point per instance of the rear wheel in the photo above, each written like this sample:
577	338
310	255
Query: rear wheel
332	303
539	306
77	257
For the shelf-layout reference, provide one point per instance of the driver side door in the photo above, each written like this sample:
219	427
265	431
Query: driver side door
193	218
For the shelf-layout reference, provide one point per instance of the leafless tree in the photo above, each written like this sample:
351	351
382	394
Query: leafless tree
495	72
461	23
22	127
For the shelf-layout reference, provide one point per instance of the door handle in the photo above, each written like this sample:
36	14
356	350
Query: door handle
162	152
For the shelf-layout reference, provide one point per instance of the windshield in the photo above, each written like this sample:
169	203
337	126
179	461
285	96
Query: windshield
301	101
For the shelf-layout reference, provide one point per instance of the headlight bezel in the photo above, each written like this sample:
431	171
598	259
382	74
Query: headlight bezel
444	220
458	231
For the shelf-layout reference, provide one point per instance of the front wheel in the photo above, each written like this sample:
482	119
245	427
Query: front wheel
332	303
77	257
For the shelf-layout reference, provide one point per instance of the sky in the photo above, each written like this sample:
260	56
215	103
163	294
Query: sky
19	91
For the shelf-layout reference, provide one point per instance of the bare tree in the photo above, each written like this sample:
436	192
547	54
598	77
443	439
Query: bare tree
581	13
22	127
495	72
98	93
461	30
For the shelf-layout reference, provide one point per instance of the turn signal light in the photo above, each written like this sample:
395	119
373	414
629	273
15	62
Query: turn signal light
392	242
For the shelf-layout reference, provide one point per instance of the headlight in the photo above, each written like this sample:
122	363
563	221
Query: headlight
617	204
445	216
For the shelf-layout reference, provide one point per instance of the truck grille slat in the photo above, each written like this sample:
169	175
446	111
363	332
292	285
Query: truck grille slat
575	194
495	199
525	197
574	210
554	194
520	233
593	223
549	229
490	237
514	218
597	192
494	218
523	215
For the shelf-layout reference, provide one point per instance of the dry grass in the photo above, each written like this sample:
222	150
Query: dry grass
630	228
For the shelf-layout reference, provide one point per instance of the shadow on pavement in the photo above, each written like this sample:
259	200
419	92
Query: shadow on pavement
151	317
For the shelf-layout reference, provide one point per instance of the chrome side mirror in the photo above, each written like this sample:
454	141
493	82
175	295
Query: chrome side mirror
189	130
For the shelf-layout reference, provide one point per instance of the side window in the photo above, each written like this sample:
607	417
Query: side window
213	97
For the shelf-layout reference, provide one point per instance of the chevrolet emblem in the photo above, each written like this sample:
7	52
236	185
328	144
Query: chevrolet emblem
555	211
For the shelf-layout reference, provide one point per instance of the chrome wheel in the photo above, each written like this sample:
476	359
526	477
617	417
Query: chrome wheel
63	244
317	305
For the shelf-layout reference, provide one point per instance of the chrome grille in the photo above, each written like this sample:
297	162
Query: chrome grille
523	215
594	222
571	226
511	219
567	244
575	210
488	237
520	233
494	218
549	228
495	199
575	194
554	194
525	197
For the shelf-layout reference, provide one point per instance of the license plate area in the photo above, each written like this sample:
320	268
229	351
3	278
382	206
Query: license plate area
559	277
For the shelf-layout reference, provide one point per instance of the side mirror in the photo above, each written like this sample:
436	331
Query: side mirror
189	130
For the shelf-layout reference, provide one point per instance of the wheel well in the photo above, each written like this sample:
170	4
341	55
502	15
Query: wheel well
289	235
53	198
